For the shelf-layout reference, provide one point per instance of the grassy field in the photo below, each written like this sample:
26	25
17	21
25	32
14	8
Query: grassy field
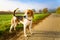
5	21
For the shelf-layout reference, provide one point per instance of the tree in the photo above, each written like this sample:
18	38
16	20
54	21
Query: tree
40	11
58	10
52	10
45	10
34	10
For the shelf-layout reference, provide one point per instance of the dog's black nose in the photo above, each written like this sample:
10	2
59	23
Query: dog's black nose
24	16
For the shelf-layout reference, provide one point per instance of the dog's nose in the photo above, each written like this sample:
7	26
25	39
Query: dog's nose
24	16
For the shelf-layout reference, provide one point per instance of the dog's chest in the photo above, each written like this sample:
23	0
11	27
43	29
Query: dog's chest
26	22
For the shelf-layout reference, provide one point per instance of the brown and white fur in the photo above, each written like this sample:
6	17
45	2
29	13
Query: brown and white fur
25	20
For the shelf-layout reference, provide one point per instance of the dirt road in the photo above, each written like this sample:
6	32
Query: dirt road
48	29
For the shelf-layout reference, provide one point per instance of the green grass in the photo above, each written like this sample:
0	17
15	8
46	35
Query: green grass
39	17
5	21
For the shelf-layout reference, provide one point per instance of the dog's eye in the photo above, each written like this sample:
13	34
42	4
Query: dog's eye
27	12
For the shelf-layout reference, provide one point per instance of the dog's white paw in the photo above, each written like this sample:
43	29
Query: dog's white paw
10	31
15	29
25	35
31	33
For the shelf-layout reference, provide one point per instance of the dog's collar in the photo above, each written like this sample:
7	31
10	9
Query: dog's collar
26	18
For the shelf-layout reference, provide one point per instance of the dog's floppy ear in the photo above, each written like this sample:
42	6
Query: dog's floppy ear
32	13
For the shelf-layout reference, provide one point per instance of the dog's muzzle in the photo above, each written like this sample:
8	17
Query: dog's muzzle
24	16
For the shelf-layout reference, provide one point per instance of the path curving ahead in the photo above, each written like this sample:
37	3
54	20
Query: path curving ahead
48	29
51	23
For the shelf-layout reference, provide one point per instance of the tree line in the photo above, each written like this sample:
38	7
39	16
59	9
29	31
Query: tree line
46	10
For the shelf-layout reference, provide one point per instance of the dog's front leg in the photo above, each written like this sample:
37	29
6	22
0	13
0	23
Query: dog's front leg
30	27
25	30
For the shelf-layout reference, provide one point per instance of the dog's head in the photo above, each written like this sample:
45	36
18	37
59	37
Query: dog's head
29	13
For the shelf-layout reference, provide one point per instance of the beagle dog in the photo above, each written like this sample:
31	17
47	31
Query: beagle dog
26	20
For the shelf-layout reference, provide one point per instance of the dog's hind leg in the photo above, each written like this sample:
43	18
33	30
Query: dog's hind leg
15	26
11	28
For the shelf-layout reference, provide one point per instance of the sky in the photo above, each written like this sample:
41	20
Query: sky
6	5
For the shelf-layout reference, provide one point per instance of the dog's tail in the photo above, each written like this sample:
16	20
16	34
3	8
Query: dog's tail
15	11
